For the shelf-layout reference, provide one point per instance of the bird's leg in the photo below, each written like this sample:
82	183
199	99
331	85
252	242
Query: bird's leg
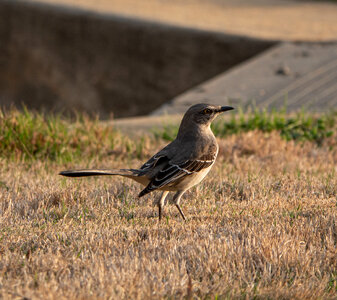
161	203
176	200
181	212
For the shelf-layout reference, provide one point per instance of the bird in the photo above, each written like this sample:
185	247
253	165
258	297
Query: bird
180	165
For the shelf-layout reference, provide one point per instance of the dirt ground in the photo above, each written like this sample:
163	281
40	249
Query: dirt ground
269	19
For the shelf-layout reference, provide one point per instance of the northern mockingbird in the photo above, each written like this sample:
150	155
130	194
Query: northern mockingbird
181	164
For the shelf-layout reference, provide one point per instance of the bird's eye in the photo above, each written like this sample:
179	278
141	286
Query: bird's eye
207	111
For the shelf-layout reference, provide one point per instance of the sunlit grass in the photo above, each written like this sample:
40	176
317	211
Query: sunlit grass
28	135
261	225
301	126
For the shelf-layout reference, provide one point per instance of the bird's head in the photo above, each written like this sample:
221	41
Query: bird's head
204	114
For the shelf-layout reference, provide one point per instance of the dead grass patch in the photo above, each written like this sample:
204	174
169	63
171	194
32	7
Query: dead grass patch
261	225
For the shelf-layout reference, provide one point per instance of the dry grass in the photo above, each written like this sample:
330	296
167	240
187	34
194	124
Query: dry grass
261	225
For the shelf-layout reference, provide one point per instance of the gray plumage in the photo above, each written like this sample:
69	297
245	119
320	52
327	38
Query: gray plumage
181	164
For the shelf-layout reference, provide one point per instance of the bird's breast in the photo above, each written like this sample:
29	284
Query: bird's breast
192	179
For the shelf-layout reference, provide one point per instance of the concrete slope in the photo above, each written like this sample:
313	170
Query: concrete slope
298	75
65	59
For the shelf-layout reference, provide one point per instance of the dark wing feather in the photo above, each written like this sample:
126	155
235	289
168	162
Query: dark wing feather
152	162
171	173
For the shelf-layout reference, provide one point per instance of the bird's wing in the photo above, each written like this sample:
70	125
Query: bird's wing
153	161
172	172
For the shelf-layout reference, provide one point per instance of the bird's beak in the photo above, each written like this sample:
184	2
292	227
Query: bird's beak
225	108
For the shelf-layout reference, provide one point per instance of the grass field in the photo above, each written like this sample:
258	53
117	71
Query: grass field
262	225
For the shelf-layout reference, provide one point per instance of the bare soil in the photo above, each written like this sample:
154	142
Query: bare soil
268	19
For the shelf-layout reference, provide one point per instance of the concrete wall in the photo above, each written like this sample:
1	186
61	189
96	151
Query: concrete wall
61	59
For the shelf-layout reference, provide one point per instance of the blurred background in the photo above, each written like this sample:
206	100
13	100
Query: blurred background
131	58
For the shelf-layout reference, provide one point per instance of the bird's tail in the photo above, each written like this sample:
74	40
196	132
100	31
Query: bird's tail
100	172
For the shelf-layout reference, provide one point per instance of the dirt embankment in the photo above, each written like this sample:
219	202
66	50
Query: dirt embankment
287	20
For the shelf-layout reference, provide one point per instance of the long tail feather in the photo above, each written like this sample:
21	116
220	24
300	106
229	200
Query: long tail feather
98	172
